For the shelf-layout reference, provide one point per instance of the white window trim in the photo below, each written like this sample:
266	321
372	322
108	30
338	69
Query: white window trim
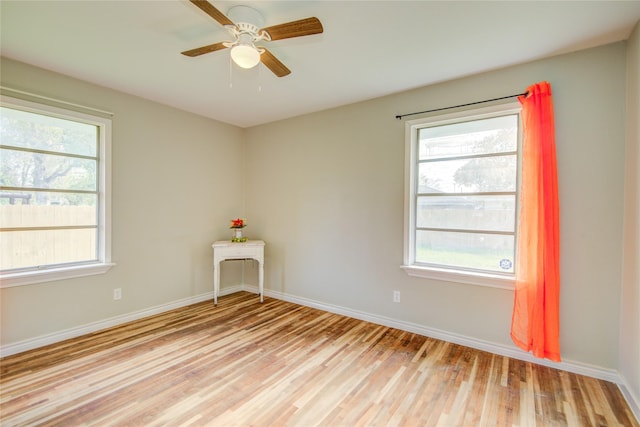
103	264
428	272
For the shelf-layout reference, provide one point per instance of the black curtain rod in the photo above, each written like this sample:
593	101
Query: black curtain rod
399	117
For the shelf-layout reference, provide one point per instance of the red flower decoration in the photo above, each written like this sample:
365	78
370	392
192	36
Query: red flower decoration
238	223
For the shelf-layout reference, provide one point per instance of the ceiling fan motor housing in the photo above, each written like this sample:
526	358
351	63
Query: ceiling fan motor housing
248	21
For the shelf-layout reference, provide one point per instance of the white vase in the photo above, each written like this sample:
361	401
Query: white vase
237	235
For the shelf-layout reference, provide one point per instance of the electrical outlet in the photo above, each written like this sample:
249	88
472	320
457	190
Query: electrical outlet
117	294
396	296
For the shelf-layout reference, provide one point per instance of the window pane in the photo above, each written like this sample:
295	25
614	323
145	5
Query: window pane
34	170
37	131
51	202
36	209
482	174
463	185
484	213
494	135
20	249
466	250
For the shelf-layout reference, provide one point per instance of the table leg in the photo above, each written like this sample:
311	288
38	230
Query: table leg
261	280
216	282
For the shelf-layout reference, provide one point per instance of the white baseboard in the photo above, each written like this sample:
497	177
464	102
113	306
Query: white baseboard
631	398
30	344
500	349
491	347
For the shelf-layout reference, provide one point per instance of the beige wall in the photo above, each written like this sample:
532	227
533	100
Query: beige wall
326	192
176	180
630	302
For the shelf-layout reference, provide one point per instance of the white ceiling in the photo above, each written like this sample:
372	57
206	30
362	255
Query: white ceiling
368	48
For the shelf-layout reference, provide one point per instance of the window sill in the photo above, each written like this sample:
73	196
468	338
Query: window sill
31	277
457	276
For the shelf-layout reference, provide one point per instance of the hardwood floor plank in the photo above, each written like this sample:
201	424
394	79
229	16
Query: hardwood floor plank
280	364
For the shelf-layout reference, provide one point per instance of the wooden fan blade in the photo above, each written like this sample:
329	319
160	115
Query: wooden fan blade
211	10
303	27
274	64
204	49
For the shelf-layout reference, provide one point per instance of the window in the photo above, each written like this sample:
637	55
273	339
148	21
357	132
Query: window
461	203
54	199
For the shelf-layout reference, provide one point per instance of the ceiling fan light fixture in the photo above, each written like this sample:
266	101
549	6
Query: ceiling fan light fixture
245	56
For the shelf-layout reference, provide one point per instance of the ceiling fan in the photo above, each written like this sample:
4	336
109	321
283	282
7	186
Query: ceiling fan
246	31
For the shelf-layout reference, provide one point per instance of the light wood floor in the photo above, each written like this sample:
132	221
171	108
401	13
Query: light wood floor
280	364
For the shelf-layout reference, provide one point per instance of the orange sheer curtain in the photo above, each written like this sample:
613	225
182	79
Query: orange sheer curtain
535	322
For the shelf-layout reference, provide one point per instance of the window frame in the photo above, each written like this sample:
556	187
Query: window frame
450	274
103	262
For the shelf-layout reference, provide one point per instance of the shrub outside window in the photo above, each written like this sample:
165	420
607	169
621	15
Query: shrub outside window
53	193
461	201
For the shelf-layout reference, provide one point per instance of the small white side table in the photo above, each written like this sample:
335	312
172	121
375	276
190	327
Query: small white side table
225	249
